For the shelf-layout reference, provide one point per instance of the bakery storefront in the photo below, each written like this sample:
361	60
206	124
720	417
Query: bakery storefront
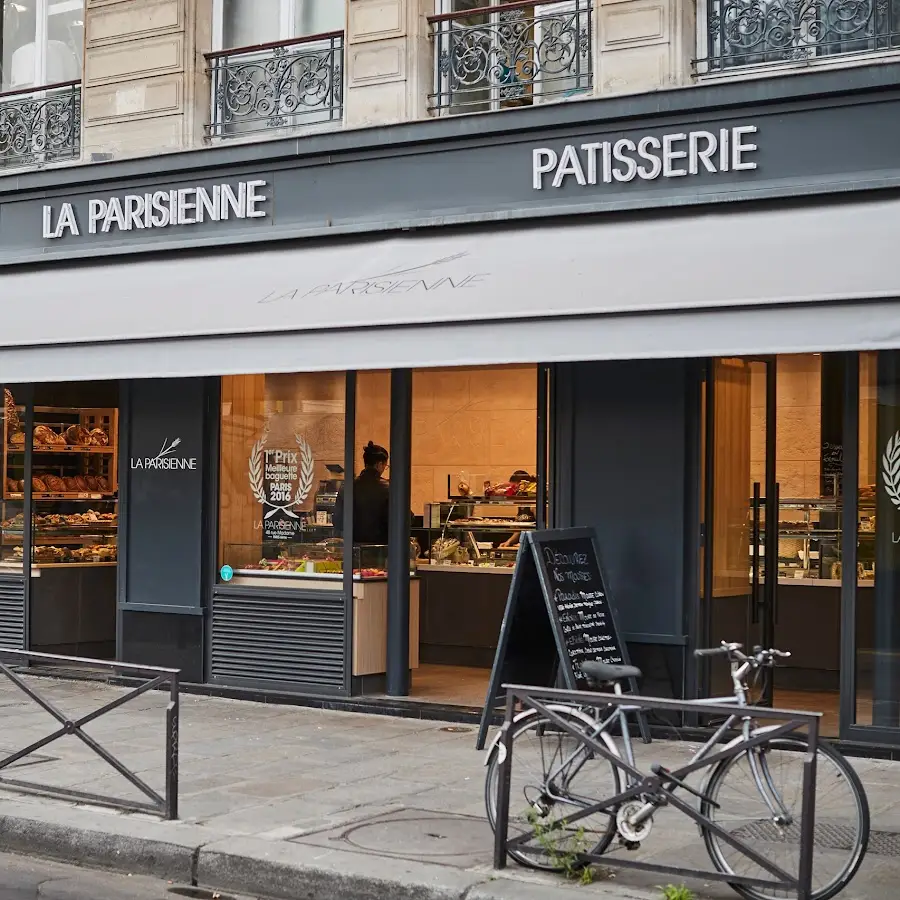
194	361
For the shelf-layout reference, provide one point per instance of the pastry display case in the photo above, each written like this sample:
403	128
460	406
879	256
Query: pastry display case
809	539
291	561
477	532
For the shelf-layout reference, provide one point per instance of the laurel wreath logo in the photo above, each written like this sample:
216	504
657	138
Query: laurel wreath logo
304	479
890	469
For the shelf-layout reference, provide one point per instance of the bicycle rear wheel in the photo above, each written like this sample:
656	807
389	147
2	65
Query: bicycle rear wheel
553	776
841	817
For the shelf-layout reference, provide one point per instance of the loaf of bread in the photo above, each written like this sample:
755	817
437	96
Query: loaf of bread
71	483
38	484
82	484
102	483
99	436
55	483
44	434
92	482
18	438
77	434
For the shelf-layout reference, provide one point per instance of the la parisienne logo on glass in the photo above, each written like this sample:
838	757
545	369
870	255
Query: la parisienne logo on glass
165	460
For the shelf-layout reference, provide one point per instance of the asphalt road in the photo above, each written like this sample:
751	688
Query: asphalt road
24	878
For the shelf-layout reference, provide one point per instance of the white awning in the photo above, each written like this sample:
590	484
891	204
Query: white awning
733	281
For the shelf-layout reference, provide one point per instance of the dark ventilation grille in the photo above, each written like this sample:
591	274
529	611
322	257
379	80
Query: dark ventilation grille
12	613
279	639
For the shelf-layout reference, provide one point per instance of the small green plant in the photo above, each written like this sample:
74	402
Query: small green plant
679	892
568	858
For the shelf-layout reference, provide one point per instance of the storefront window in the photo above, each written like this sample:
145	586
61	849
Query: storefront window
12	527
878	542
42	42
282	466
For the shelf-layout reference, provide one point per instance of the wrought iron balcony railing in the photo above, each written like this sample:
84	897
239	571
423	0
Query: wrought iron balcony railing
516	54
277	85
40	125
749	33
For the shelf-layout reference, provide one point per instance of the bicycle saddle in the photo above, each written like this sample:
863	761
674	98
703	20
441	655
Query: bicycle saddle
603	673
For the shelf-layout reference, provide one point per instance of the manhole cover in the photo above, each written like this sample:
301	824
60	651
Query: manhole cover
456	729
828	836
423	836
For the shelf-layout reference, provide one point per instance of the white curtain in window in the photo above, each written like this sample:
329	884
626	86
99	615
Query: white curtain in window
318	16
249	22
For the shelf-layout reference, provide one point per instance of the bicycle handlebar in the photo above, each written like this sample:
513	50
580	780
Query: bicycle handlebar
759	656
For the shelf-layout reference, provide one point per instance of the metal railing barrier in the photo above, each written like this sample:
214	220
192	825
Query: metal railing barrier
165	805
283	84
664	783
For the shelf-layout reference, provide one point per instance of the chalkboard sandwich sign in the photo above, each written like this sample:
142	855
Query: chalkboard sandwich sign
558	616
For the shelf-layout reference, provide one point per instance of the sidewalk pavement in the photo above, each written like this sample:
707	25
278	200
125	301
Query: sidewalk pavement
293	802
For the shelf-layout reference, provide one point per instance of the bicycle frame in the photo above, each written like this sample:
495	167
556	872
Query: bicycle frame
758	766
662	784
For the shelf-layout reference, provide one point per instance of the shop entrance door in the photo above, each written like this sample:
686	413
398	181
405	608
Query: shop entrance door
774	506
740	513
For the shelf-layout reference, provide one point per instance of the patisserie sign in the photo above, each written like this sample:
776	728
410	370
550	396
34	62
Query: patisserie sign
157	209
669	156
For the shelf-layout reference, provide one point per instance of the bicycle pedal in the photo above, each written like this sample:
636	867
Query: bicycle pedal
663	772
630	845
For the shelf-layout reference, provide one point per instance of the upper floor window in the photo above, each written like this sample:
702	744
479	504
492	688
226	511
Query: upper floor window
246	23
494	54
42	42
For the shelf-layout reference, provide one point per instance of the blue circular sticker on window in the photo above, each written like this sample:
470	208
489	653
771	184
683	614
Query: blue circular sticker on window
227	573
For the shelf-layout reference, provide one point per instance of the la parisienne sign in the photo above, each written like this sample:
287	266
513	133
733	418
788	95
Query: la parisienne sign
158	209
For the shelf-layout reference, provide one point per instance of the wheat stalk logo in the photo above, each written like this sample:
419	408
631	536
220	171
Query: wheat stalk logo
168	448
890	469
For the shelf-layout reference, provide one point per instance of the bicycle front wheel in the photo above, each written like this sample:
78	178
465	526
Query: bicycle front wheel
841	816
554	776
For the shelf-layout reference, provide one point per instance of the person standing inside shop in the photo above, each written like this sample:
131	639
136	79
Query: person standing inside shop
371	503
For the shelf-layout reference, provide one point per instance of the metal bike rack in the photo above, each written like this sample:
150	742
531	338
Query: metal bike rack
156	678
663	783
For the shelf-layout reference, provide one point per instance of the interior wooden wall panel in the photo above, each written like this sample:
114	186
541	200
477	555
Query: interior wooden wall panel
731	477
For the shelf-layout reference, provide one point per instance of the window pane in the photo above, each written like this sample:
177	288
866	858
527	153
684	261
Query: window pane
249	22
282	463
65	41
19	35
317	16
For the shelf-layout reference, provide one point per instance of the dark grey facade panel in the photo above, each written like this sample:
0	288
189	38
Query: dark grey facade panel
12	613
482	168
626	440
162	487
278	639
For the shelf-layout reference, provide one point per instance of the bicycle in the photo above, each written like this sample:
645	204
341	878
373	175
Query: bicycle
567	780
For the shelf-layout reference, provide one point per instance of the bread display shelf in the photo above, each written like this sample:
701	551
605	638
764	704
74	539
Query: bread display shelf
61	448
77	495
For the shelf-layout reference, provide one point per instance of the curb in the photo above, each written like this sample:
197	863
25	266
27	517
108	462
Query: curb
196	856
